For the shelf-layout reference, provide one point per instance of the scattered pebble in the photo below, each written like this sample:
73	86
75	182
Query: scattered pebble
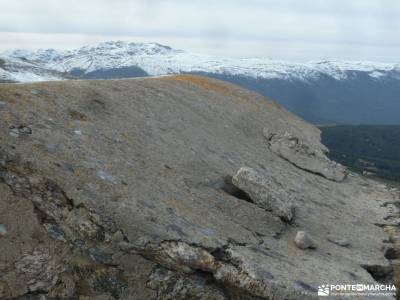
3	230
338	240
105	176
52	148
304	241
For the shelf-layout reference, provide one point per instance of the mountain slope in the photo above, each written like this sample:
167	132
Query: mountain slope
320	92
22	70
177	187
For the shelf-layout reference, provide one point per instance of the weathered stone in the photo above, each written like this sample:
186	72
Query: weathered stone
55	232
338	240
304	154
304	241
39	271
170	285
80	221
265	191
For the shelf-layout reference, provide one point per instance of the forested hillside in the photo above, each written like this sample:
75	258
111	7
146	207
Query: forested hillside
369	148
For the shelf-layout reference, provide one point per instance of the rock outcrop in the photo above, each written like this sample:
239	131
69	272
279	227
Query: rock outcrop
305	154
130	189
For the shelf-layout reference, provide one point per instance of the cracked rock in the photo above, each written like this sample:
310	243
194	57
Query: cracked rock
305	155
39	270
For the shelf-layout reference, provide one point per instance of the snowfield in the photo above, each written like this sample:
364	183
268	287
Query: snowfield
156	60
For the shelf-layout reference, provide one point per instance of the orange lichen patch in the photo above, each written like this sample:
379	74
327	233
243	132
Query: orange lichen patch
204	82
250	99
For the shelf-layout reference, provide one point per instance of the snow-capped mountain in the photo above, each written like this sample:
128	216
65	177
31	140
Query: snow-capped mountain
335	91
21	70
155	59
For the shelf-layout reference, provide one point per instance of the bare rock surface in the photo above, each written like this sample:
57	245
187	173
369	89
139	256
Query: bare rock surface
123	189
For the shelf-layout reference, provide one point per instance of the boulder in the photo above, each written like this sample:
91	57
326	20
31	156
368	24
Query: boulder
265	191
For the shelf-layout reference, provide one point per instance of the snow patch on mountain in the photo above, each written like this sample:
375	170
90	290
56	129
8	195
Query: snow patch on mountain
16	69
156	60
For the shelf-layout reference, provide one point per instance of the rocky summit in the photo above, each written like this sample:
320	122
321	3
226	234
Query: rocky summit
178	187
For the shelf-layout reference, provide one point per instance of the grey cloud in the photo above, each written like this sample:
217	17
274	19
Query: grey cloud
367	25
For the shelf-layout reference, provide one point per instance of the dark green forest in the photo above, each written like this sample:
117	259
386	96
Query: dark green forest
365	148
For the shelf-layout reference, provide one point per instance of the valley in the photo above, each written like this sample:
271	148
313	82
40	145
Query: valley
370	149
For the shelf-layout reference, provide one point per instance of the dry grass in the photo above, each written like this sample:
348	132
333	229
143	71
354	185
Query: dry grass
205	83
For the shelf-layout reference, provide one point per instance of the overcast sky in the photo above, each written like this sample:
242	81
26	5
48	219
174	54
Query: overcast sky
296	30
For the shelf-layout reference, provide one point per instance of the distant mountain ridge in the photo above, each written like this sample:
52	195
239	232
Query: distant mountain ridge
336	91
156	59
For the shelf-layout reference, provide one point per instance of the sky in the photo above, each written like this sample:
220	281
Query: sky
295	30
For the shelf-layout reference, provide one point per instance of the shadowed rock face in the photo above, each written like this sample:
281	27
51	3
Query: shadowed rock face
129	189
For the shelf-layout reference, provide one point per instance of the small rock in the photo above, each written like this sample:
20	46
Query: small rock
3	230
79	243
304	241
52	148
117	237
55	232
105	176
18	130
338	240
126	246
